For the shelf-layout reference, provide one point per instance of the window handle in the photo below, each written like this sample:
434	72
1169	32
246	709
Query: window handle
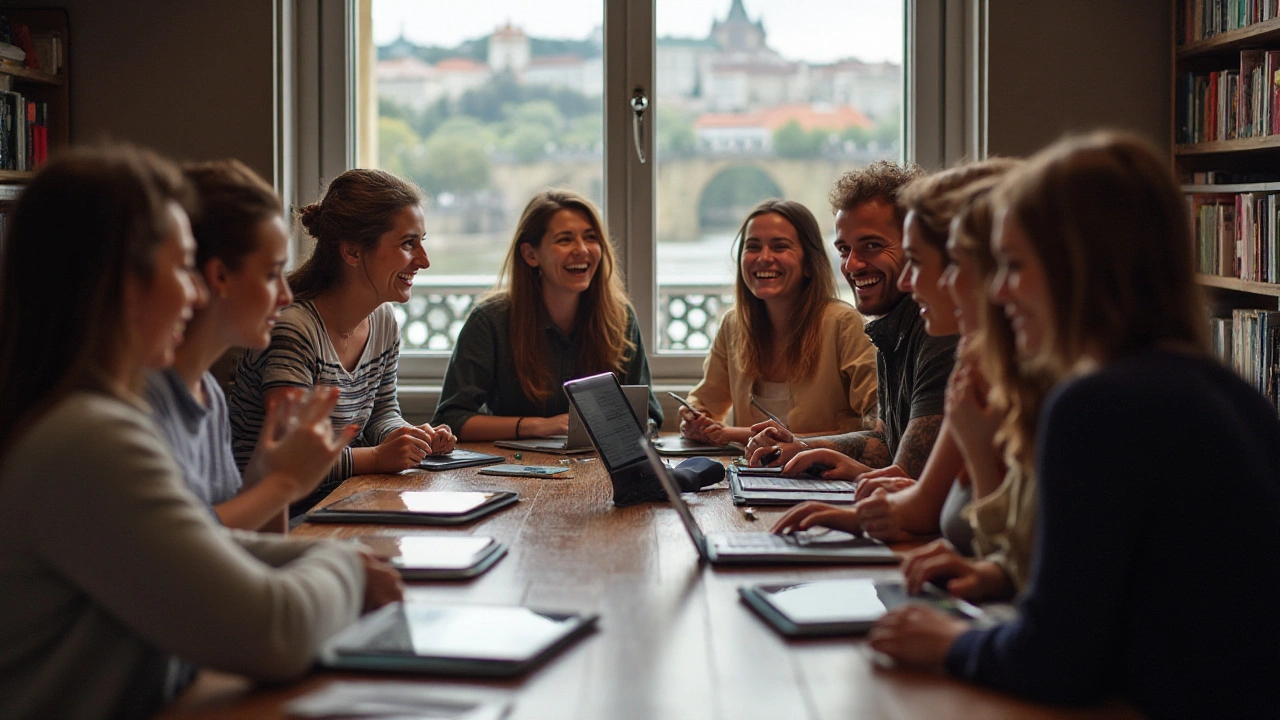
639	103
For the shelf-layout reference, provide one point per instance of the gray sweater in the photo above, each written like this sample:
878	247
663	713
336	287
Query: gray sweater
109	567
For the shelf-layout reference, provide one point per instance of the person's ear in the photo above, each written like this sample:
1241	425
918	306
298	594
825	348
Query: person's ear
350	254
529	254
216	277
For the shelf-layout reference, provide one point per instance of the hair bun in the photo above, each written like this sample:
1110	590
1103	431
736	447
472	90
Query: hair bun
310	217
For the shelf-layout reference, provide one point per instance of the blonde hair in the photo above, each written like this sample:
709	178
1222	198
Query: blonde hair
936	198
600	327
1104	213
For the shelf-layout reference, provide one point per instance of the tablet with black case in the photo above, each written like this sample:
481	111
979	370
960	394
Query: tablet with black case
436	557
459	458
414	507
475	640
848	606
767	486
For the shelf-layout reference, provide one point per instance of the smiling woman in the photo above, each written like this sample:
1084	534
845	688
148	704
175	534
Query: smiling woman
788	342
560	313
340	332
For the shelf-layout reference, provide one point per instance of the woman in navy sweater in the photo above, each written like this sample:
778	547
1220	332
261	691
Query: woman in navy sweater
1159	469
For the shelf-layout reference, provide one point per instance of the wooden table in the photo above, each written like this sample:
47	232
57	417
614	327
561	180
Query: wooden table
673	639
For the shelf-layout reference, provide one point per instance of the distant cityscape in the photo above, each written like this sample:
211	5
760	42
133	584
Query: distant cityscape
735	91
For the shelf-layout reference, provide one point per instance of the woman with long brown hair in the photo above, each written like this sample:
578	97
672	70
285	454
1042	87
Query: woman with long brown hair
115	580
558	313
340	330
788	342
1158	469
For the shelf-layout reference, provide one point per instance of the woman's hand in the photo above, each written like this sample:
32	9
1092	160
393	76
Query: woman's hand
402	449
916	635
973	421
440	438
881	515
772	445
297	445
382	583
700	427
536	427
838	465
891	471
816	514
868	485
960	576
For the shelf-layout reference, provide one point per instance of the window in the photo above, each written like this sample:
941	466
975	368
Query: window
486	102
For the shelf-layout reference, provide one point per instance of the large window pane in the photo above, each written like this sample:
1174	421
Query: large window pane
483	103
759	99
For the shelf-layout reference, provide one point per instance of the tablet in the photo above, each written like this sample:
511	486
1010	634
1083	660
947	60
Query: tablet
423	507
436	557
767	486
431	637
458	459
848	606
524	470
677	446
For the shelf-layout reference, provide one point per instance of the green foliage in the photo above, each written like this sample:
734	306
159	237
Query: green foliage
675	134
794	142
456	163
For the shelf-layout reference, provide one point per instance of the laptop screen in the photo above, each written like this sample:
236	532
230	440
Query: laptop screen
673	494
609	418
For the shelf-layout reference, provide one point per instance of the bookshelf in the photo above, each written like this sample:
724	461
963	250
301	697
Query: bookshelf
1226	151
48	91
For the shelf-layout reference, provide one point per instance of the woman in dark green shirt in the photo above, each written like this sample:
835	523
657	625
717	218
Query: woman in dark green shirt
558	313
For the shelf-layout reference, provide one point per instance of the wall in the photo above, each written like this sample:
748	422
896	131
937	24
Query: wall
1073	65
190	78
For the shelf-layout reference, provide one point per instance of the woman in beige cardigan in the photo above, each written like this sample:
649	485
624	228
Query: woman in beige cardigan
788	341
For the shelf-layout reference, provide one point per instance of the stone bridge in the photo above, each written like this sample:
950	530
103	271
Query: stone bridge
681	184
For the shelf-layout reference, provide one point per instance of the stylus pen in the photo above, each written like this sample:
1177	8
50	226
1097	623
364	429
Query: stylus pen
756	404
962	606
684	402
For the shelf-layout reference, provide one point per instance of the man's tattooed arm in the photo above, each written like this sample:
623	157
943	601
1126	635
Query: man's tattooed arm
866	446
917	443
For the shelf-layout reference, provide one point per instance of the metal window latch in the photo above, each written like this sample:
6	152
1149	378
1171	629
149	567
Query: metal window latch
639	103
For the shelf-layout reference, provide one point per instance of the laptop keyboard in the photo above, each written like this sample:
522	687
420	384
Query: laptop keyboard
761	541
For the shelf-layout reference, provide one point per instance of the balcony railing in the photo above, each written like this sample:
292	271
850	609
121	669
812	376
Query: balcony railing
688	315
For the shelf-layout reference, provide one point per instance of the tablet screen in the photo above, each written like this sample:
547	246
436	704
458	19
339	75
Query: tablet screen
464	632
427	502
828	601
429	552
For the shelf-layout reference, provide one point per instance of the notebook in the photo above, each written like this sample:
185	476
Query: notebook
768	486
414	507
433	637
436	557
578	441
762	547
848	606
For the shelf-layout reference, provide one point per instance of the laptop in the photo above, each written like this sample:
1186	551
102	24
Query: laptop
765	547
614	429
578	441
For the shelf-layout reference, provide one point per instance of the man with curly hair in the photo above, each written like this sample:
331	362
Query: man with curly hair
912	367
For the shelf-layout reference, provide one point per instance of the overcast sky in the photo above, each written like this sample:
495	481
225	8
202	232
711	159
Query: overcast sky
812	30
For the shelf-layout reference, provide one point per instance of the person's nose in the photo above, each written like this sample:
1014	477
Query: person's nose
998	290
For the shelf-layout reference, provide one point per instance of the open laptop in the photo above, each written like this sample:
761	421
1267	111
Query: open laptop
764	547
614	429
578	440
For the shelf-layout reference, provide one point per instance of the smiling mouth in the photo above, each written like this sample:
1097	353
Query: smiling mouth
862	283
767	275
578	268
406	278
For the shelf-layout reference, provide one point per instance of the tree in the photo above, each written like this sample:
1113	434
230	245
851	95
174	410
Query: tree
793	142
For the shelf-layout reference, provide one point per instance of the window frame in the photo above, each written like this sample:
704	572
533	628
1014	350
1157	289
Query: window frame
323	42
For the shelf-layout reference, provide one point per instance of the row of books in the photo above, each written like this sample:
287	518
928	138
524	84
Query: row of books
1249	343
24	132
1237	234
1231	104
1200	19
